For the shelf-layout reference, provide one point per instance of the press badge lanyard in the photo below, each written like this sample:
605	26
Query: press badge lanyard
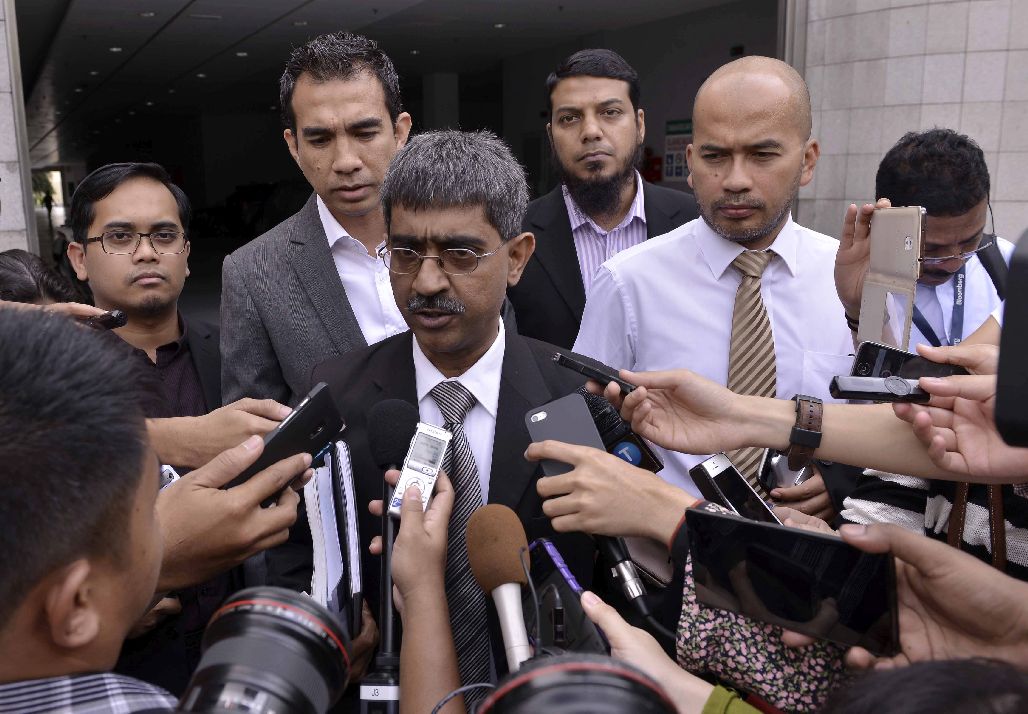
956	325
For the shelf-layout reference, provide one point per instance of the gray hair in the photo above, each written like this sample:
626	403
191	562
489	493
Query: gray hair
447	169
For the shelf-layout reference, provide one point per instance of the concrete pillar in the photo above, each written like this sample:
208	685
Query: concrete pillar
17	215
442	101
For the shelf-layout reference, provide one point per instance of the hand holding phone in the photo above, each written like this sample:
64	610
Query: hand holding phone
594	370
421	465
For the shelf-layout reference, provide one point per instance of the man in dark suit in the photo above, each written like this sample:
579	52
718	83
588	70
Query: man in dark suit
313	286
129	224
602	205
453	204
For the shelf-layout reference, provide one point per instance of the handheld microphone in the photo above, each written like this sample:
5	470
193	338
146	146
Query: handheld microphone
495	538
391	426
617	435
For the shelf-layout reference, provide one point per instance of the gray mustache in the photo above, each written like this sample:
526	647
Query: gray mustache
436	303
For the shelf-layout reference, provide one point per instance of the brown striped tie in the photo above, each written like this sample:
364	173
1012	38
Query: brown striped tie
751	359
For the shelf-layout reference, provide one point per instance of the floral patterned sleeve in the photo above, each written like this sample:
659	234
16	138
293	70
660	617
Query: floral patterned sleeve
749	656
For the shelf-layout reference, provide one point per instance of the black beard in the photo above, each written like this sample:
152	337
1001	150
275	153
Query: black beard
151	306
600	196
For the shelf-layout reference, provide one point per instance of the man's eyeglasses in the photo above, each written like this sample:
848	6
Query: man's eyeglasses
127	242
452	261
989	240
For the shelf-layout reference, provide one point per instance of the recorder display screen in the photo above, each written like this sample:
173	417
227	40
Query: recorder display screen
427	450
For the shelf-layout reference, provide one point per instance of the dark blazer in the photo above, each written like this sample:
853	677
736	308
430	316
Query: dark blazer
549	299
204	349
283	310
386	371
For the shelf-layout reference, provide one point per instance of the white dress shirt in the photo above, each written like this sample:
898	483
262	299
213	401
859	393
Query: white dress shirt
366	281
483	381
980	301
668	303
595	245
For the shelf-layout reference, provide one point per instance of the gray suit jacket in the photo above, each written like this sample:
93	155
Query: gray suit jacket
283	311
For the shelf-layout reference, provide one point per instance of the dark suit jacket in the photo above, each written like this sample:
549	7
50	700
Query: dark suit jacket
549	299
205	352
386	371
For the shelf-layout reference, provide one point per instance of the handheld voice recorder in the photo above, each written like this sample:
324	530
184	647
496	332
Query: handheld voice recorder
421	465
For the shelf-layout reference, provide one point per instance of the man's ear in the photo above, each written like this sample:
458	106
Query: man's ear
185	257
71	606
549	133
688	164
294	150
401	129
77	258
811	152
520	251
640	121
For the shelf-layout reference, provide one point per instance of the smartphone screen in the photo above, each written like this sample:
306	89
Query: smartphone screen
743	499
812	583
875	360
566	626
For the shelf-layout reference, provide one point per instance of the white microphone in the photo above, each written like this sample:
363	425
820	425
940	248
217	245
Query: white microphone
495	538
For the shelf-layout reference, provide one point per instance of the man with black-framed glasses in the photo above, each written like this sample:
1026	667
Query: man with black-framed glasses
131	245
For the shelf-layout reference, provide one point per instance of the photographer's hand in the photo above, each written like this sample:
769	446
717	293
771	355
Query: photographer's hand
853	259
208	530
951	605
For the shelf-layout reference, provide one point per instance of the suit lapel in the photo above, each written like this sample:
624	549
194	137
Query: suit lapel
315	269
555	249
394	370
660	214
204	351
521	388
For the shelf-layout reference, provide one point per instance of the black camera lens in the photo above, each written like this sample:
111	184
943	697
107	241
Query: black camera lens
863	369
270	650
578	684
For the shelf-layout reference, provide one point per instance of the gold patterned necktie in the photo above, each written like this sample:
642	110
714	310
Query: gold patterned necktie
751	358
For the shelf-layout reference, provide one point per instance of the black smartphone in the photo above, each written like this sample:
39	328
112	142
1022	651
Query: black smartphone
562	621
878	360
566	419
813	583
876	389
108	321
721	483
312	428
593	370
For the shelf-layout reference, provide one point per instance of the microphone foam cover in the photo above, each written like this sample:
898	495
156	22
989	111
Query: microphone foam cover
495	538
608	422
391	426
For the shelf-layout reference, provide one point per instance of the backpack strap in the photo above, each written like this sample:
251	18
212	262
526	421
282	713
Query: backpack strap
997	527
995	265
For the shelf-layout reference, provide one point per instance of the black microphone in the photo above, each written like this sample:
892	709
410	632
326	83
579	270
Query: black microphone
391	426
617	435
621	441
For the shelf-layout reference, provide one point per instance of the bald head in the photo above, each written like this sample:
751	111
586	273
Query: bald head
761	85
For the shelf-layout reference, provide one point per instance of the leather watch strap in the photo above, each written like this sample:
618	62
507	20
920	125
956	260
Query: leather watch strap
806	434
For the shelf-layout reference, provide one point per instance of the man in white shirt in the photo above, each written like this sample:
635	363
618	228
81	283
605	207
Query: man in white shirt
454	204
944	172
313	286
686	298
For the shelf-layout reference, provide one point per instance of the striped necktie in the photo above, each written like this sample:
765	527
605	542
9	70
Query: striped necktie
751	359
467	602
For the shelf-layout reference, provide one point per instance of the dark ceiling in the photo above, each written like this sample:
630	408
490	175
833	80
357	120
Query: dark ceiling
88	64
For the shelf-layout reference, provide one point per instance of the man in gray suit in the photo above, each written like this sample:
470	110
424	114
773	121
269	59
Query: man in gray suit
313	287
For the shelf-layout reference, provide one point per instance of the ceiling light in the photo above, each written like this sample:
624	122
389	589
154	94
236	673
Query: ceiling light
78	90
415	52
149	104
500	25
115	49
93	73
132	112
273	107
147	14
171	91
299	23
242	54
201	75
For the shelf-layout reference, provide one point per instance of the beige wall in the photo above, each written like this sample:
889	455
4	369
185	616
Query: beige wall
15	230
880	68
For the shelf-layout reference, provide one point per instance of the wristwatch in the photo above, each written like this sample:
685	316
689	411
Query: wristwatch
806	433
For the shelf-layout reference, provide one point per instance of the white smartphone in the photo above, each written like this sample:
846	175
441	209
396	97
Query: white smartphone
421	465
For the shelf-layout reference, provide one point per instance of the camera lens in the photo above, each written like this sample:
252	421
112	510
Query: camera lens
270	650
863	369
578	684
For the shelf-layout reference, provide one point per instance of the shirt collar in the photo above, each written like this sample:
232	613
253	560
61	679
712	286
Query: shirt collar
720	252
333	229
482	379
578	217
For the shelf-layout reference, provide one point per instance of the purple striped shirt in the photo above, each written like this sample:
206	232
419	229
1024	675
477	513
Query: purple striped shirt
594	245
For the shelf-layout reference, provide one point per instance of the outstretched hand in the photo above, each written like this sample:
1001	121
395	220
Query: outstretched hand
853	259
